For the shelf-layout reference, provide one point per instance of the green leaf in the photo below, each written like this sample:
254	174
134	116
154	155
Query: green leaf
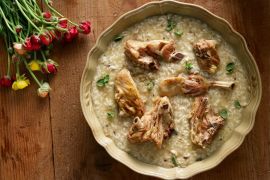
237	104
118	37
110	115
171	24
174	161
178	33
223	113
150	85
188	66
103	81
230	68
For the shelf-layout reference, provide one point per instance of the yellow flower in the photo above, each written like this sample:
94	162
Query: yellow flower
20	84
34	65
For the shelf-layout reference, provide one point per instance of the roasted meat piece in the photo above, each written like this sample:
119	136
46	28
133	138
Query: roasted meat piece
127	95
155	125
204	122
207	56
193	85
146	54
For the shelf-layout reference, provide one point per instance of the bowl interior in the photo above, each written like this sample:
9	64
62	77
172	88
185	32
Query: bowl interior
227	32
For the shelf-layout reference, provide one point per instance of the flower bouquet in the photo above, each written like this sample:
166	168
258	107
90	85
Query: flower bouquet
29	34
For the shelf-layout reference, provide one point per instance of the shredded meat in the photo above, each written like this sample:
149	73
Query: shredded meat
147	54
193	85
127	95
204	122
207	56
155	125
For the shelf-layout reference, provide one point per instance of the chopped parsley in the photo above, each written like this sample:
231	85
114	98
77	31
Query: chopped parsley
174	161
188	66
103	81
171	24
223	113
110	115
230	68
237	104
150	85
118	37
178	33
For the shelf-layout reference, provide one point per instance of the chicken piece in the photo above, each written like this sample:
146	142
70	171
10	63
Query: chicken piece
193	85
127	95
204	122
207	56
146	54
155	125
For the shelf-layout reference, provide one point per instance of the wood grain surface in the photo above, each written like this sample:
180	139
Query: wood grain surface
49	139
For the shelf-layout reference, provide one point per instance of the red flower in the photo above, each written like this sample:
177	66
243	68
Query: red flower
85	27
47	16
18	29
6	81
49	67
27	44
46	39
32	43
71	34
63	23
58	35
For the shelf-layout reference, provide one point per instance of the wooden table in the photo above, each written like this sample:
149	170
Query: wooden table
49	138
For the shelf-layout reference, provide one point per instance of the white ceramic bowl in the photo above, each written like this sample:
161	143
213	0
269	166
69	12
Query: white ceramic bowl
227	32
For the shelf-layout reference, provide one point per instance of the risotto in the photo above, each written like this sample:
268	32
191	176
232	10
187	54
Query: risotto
178	150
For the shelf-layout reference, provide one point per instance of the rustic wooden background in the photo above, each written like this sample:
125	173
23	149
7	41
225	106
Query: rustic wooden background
49	138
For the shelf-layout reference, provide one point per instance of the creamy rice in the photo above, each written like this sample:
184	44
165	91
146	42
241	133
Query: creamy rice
113	60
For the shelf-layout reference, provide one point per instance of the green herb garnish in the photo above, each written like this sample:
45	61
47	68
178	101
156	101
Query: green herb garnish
178	33
103	81
118	37
174	161
223	113
188	66
237	104
230	68
171	24
110	115
150	85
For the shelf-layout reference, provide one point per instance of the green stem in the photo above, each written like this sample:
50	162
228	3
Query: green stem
17	69
29	20
31	73
35	55
43	56
56	12
6	21
8	64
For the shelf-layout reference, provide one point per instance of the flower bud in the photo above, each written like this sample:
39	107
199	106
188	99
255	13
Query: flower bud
63	23
6	81
35	41
47	16
46	39
19	48
85	27
44	90
20	83
49	67
34	65
71	34
18	29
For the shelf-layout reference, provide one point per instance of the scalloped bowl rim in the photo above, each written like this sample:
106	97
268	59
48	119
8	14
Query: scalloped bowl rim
153	170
